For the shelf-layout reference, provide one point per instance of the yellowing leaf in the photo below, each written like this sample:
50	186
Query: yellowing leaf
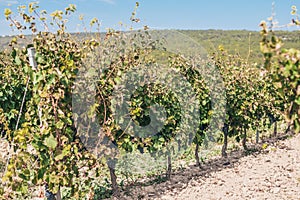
93	21
81	17
7	12
57	14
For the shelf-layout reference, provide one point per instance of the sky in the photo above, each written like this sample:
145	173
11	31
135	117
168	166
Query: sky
166	14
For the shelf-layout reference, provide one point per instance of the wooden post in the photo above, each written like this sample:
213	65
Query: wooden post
169	167
197	155
225	142
244	139
111	163
275	129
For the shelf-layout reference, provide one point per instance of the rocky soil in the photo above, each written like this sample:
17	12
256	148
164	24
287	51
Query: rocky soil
271	173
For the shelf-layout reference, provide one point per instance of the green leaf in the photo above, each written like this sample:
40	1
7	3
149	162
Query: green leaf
59	157
41	173
50	142
59	125
161	139
18	60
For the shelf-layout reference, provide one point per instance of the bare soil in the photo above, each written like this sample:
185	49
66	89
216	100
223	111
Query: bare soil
271	173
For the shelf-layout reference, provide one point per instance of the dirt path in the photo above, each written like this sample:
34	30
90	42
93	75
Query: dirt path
272	174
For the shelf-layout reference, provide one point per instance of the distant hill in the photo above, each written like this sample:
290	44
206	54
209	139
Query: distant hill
239	41
234	41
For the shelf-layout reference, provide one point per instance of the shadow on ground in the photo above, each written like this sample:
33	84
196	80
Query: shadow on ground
157	186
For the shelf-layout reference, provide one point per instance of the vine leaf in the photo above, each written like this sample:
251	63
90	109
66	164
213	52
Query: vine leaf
50	142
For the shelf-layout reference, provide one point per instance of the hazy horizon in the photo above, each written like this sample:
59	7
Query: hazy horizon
167	14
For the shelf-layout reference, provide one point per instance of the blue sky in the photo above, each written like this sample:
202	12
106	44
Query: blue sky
169	14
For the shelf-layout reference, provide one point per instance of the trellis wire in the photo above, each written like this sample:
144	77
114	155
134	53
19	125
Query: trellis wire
31	50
